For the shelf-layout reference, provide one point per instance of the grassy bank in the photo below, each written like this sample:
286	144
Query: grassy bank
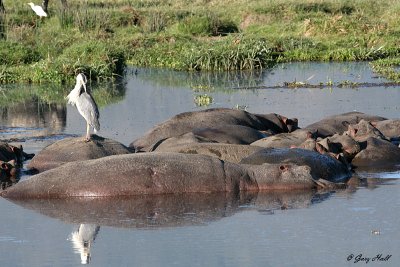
100	37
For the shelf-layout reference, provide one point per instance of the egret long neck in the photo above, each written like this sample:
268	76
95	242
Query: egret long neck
74	94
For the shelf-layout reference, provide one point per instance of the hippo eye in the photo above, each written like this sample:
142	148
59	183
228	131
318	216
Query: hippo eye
282	168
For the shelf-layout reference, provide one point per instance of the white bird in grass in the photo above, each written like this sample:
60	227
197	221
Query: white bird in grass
84	102
38	10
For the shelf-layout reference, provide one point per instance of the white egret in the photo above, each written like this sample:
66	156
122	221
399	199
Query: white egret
38	10
84	102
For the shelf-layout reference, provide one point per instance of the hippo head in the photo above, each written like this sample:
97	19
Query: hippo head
282	176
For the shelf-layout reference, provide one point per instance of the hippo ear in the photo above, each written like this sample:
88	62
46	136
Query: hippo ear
16	150
320	148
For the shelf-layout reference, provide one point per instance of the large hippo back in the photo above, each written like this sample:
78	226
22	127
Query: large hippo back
186	122
133	174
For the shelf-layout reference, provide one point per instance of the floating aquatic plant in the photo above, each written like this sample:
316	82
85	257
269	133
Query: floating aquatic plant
203	100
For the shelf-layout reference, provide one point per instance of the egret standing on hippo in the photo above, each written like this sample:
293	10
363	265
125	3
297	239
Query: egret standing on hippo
84	102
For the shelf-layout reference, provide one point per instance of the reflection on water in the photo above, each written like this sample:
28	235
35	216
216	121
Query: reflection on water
161	211
157	211
303	228
171	211
332	74
32	120
83	239
203	81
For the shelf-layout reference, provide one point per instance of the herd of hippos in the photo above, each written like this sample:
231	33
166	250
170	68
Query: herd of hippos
213	150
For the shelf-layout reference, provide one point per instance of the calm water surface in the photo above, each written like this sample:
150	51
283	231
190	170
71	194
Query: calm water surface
286	229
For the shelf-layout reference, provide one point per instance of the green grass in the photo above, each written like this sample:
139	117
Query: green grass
101	37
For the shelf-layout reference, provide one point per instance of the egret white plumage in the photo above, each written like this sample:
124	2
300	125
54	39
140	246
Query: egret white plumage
38	10
84	102
83	239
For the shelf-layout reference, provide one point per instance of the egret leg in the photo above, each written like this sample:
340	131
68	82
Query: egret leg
87	132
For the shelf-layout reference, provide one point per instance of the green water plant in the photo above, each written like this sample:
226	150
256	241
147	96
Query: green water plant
388	68
203	100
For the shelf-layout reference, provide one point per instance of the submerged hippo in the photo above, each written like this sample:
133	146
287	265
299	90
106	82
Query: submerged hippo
227	152
162	173
73	149
338	124
389	128
217	117
363	130
377	152
230	134
9	152
322	167
285	140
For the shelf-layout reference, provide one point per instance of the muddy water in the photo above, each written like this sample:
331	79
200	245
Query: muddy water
291	229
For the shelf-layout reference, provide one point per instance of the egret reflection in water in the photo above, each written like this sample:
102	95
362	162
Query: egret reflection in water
83	239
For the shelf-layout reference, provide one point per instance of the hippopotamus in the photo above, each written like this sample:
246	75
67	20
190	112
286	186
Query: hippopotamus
284	140
230	134
338	124
11	160
389	128
363	130
341	143
8	173
9	152
376	152
227	152
165	173
209	118
73	149
184	139
323	167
